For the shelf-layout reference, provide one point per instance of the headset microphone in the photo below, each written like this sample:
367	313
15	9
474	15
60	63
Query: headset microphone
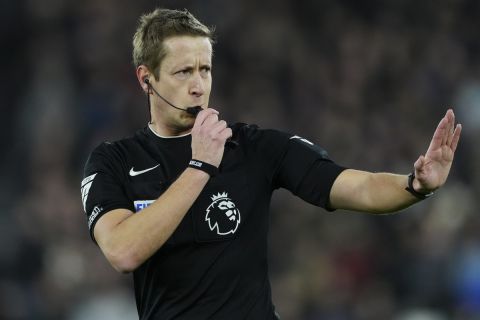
191	110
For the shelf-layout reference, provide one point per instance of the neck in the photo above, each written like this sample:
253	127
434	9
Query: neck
166	130
168	122
155	131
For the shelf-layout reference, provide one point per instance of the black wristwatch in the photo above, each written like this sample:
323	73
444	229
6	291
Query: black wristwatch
418	195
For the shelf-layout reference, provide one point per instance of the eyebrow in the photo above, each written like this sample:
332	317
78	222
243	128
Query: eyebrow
190	67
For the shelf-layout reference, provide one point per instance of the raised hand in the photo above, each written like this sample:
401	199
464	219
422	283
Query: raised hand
431	169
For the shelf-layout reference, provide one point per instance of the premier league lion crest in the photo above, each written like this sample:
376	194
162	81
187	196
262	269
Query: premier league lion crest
222	214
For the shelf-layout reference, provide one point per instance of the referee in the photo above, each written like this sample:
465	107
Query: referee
183	204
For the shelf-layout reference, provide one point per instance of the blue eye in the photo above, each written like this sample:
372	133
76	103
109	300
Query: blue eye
205	71
184	72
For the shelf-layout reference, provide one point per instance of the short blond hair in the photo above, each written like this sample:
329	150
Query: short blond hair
153	28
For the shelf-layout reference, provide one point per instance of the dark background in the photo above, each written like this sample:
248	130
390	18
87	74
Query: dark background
367	80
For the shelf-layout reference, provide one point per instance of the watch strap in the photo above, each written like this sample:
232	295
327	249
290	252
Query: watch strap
418	195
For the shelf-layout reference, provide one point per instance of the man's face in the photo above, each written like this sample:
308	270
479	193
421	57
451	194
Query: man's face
185	79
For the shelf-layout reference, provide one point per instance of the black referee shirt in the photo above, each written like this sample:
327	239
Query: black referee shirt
214	266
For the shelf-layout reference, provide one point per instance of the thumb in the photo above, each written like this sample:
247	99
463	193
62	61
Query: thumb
418	165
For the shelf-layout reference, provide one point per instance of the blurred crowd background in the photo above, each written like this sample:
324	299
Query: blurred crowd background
367	80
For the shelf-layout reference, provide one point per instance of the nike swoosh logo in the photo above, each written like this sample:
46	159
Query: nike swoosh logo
134	173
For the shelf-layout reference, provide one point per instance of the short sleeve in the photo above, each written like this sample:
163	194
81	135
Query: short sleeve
297	164
102	188
308	172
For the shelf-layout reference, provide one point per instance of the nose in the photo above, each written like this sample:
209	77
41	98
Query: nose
197	87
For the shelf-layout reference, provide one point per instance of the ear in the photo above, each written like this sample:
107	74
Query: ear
142	74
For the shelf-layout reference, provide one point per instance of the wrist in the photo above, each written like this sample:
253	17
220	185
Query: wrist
206	167
414	187
418	187
198	174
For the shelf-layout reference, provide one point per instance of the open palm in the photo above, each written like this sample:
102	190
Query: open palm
431	170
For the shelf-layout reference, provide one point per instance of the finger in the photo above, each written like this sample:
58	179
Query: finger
450	137
418	165
445	130
211	120
218	127
226	133
202	115
456	137
451	124
450	114
438	135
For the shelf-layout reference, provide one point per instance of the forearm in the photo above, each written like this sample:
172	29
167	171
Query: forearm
371	192
135	239
386	193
